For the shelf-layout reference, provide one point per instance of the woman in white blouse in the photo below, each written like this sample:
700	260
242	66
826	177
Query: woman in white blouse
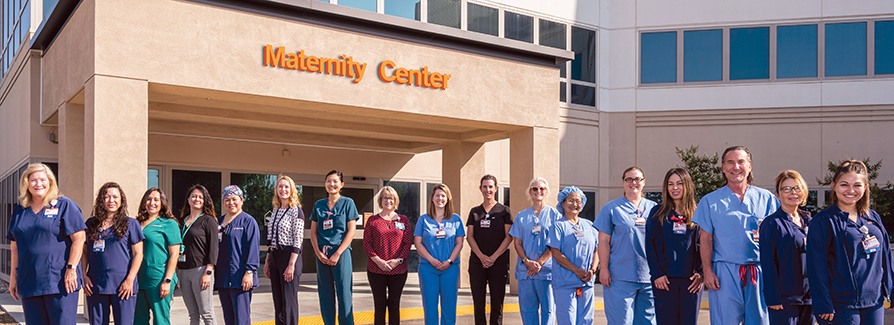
285	234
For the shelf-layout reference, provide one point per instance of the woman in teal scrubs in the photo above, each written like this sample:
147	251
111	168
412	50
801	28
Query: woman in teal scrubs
161	248
333	222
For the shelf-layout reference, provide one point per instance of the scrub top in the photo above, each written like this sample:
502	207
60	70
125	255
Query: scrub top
239	251
534	231
841	274
109	266
626	224
735	224
578	243
672	253
343	211
160	233
784	259
490	231
439	248
43	244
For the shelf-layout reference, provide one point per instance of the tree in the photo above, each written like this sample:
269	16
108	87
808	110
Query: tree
705	172
881	198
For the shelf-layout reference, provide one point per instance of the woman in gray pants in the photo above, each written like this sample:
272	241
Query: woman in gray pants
198	226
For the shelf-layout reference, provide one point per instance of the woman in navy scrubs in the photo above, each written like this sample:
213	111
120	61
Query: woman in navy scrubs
237	263
672	251
112	258
46	237
783	238
333	223
848	257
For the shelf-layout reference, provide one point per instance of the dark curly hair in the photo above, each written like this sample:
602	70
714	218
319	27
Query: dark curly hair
207	207
163	212
119	220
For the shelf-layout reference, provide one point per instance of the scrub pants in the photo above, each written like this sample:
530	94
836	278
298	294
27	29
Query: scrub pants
59	308
535	302
738	301
629	303
122	309
792	315
494	279
285	294
571	309
149	300
236	306
677	306
866	316
198	302
436	284
334	282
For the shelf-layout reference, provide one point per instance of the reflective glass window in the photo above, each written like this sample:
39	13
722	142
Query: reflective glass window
884	47
658	57
796	51
409	9
485	20
562	88
584	95
152	178
552	34
589	210
703	55
583	43
182	180
749	56
258	189
49	5
444	12
368	5
408	193
846	49
518	27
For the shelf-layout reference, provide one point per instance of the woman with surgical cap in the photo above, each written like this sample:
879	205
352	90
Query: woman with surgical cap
238	260
573	243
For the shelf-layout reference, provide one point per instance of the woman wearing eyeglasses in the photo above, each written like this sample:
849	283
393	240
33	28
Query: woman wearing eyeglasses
783	255
573	244
624	269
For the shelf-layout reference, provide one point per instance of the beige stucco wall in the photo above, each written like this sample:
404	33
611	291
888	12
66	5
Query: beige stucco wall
69	62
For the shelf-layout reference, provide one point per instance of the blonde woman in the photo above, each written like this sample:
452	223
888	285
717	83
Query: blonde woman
285	234
387	240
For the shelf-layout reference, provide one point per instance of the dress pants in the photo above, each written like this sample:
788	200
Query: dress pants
198	302
386	290
285	294
494	279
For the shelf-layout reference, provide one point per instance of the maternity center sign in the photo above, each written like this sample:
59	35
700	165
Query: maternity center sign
345	66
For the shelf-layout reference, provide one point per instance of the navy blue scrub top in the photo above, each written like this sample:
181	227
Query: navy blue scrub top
784	259
43	241
671	254
840	274
109	268
239	252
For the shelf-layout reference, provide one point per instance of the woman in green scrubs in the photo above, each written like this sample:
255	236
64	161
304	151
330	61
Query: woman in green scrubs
161	248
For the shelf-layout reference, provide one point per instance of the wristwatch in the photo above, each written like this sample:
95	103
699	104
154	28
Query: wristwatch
70	266
450	261
249	271
525	260
208	272
168	280
400	261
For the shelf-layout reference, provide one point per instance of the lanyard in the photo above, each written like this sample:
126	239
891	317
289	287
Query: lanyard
183	235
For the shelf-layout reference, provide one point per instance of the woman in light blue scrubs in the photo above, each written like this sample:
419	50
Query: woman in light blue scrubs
573	244
46	238
624	269
533	270
439	236
112	258
333	223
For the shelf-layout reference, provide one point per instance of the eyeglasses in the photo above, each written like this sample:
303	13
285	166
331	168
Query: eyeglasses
634	180
575	201
541	189
789	189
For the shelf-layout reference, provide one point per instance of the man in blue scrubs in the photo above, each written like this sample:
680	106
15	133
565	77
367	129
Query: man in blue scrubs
732	215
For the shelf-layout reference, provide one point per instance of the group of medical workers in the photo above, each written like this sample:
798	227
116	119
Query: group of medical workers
750	248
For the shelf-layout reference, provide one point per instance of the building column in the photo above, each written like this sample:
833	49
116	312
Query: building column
533	152
116	127
461	168
71	155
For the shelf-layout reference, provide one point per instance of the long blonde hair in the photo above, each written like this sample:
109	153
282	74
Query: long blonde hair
53	193
293	198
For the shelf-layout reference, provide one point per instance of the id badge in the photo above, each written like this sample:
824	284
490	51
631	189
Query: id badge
51	213
579	234
327	224
485	223
536	230
441	234
640	221
99	246
399	226
182	258
756	236
870	245
679	228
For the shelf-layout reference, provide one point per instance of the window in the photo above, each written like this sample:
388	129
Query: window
16	22
562	88
409	9
182	180
654	196
506	196
552	34
408	193
152	178
658	57
846	49
583	43
518	27
444	12
796	51
589	210
483	19
258	189
884	47
749	56
368	5
703	55
583	95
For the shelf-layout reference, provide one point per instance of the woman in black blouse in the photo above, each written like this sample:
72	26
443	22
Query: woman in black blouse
198	254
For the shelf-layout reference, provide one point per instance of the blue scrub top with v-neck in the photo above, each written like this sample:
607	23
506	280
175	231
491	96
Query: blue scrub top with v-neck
534	230
343	211
439	248
734	223
578	243
627	261
110	265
